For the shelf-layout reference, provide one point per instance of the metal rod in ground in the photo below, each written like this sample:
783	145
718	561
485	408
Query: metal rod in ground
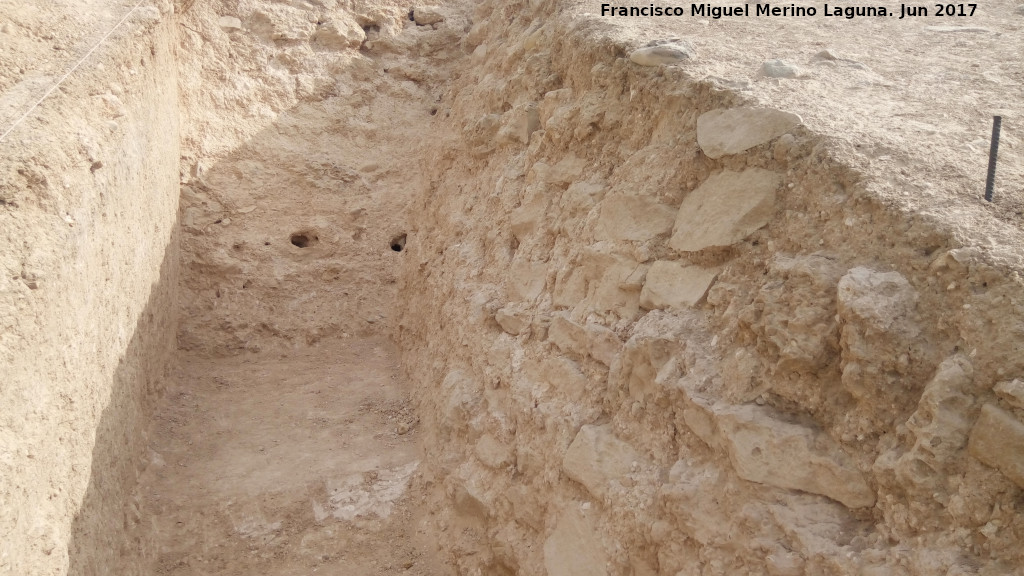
993	153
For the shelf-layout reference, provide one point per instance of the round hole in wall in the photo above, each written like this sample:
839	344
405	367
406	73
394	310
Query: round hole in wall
304	239
398	243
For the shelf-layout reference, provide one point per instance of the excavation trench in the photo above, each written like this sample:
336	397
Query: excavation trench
351	289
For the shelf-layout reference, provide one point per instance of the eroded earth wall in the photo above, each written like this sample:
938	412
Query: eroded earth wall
88	247
660	329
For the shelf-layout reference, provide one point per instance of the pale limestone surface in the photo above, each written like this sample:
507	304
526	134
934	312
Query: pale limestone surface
597	458
341	33
670	284
427	15
730	131
767	450
574	547
492	452
634	218
661	55
725	209
1012	392
997	439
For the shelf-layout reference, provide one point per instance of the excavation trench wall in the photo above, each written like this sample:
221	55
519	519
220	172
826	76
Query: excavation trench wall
634	358
88	229
630	357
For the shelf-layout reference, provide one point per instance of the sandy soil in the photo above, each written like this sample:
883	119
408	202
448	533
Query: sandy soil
282	464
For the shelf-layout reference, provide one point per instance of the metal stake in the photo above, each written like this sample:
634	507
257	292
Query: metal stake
993	153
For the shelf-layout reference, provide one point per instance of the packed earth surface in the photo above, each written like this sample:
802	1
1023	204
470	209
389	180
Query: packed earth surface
534	287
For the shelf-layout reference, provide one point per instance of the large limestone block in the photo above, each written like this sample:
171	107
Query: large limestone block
674	285
529	218
596	458
574	547
526	280
998	441
769	451
723	132
612	282
878	327
567	335
594	340
877	299
564	172
725	209
638	218
603	344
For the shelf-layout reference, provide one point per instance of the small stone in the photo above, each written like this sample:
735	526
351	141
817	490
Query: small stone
779	69
830	56
512	321
663	54
340	34
427	15
1019	10
1012	392
827	55
229	23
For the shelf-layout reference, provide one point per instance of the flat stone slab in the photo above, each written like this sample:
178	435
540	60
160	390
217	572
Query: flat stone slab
596	457
998	441
674	285
637	218
766	450
724	132
726	208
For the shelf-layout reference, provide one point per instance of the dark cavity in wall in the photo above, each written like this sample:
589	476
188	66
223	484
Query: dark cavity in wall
304	239
398	243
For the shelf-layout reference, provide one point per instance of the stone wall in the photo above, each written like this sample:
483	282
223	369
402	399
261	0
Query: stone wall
658	328
88	211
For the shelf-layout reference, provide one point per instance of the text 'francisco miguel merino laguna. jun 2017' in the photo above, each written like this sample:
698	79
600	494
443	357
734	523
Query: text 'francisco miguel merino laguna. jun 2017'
791	10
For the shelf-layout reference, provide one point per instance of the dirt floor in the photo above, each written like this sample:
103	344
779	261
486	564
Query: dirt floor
285	463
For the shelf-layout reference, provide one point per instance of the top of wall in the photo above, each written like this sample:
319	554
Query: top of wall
907	102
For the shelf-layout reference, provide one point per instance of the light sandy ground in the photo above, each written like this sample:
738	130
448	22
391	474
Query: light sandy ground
282	464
